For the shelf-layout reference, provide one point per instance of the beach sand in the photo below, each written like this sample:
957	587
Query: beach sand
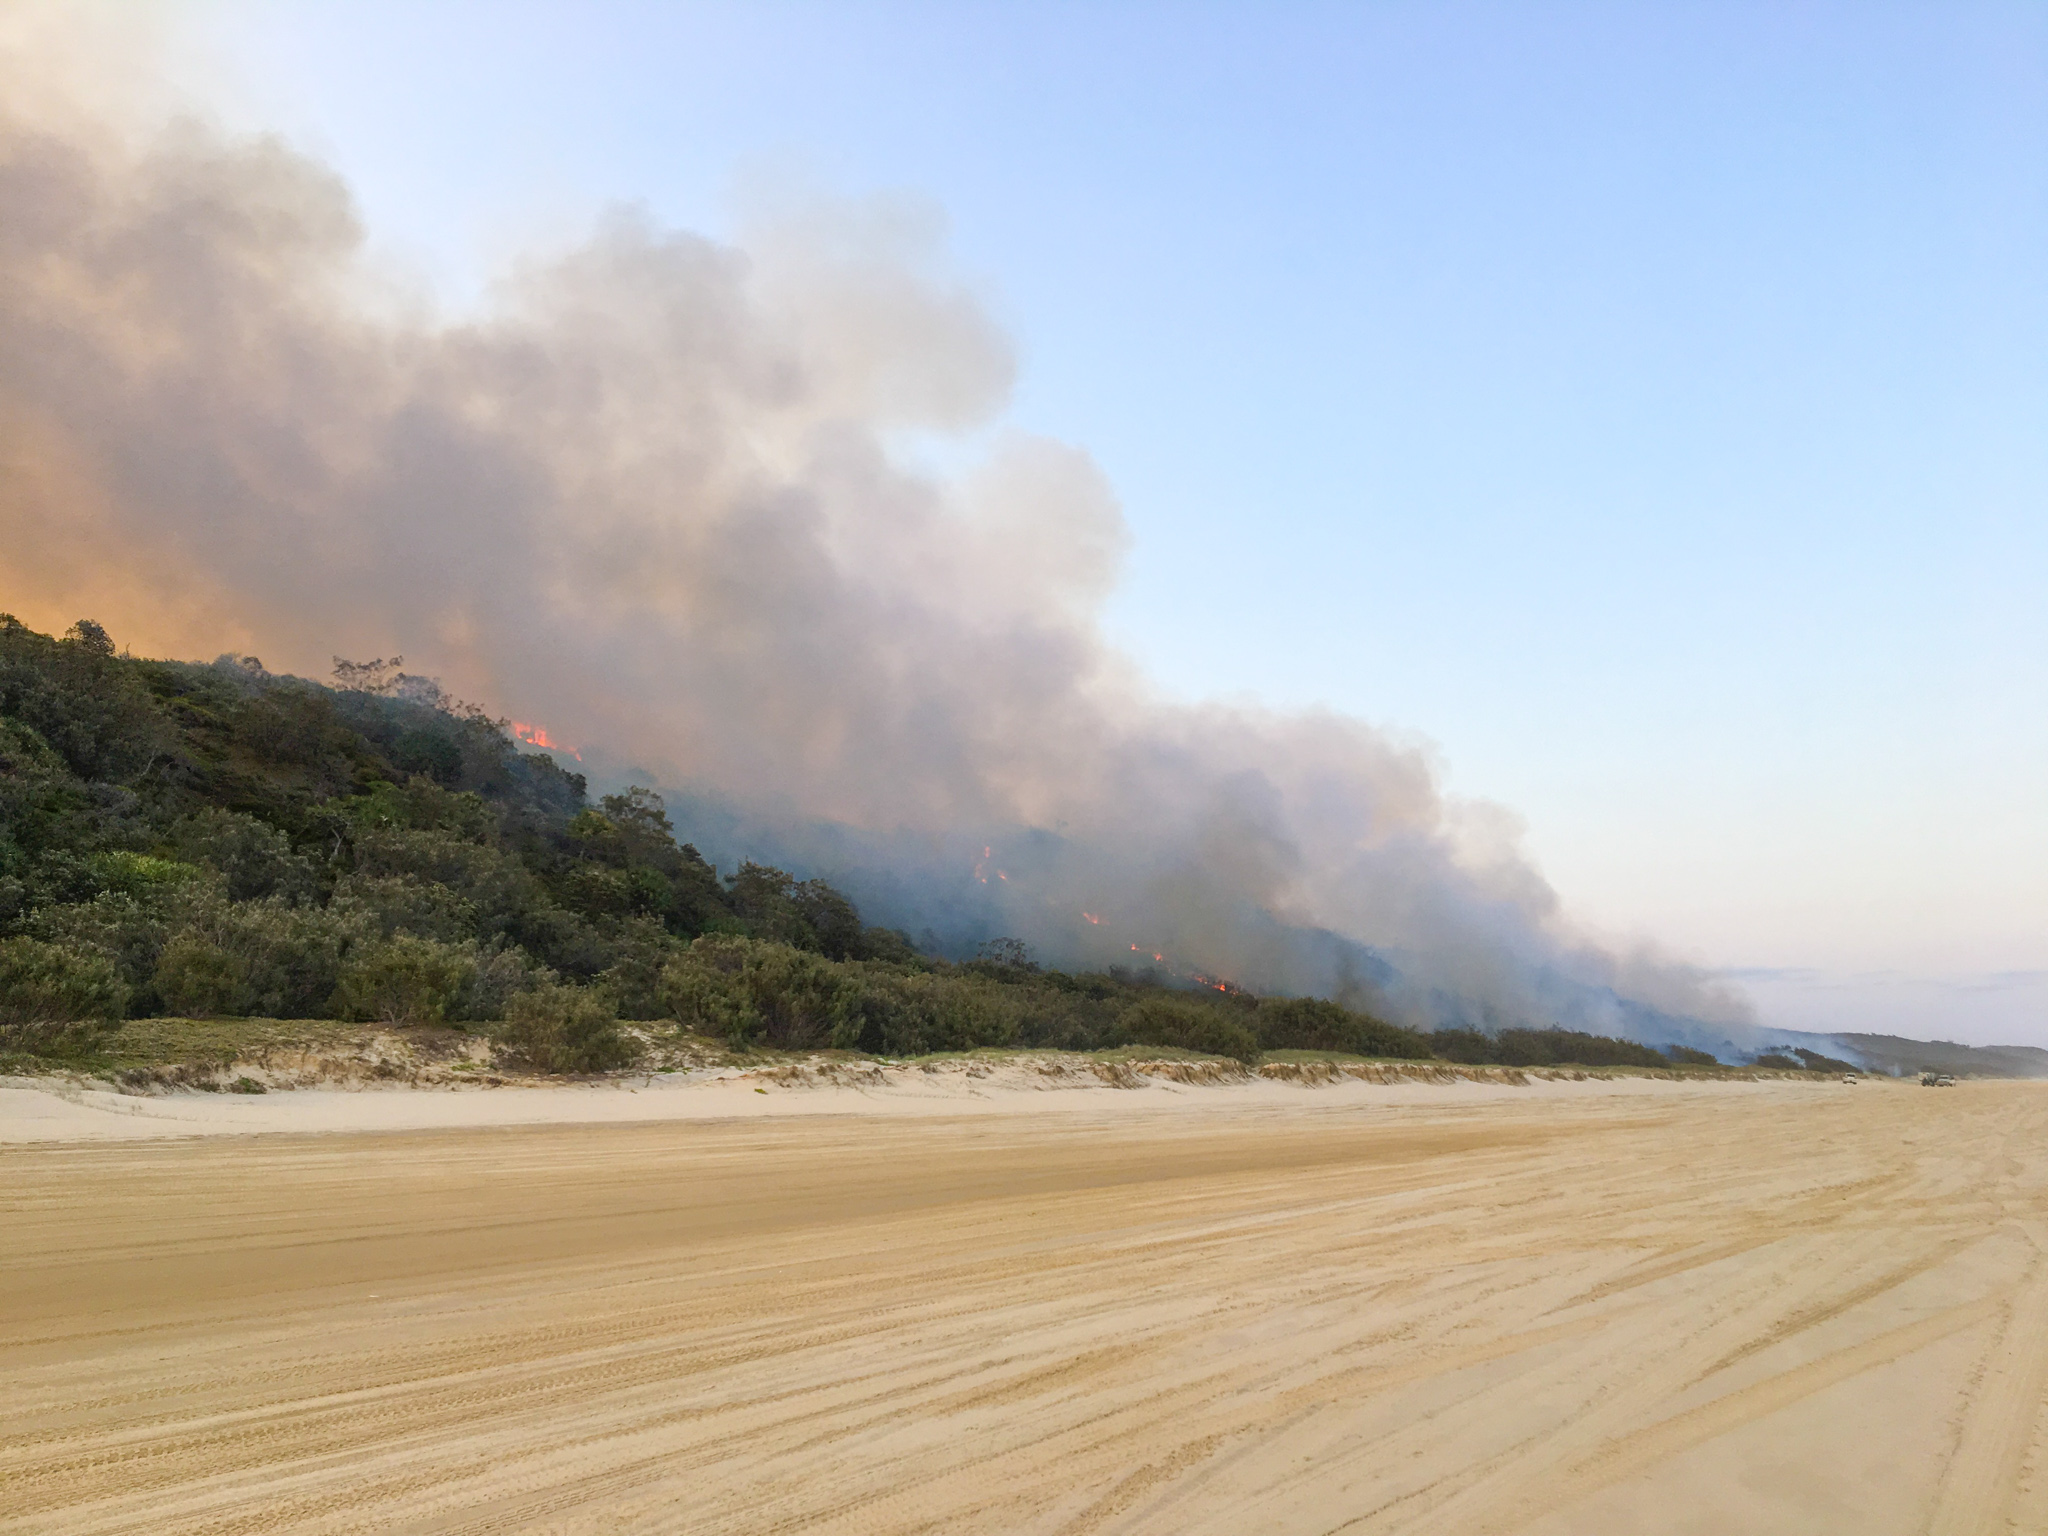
969	1305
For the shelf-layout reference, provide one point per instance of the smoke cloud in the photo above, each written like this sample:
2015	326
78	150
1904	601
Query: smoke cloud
649	500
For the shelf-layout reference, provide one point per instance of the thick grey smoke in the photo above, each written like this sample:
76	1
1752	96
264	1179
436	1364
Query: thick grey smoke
650	501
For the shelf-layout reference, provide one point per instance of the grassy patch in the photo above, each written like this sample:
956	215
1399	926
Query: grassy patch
213	1045
165	1042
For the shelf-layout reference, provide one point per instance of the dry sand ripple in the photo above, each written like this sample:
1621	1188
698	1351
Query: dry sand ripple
1728	1307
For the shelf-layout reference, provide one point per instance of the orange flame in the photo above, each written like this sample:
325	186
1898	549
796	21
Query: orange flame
1091	917
535	736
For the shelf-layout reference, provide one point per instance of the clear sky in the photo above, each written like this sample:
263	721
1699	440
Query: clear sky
1647	404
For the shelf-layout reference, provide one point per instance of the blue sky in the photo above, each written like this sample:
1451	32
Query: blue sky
1647	404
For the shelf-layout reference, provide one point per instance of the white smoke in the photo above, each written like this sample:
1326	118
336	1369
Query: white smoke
648	501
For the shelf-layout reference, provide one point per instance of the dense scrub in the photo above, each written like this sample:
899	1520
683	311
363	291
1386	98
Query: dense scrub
215	840
1794	1058
1545	1048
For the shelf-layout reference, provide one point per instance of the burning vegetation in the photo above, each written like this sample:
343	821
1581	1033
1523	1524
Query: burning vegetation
215	840
537	736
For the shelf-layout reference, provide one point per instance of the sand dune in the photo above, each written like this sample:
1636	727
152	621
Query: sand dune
52	1109
1712	1308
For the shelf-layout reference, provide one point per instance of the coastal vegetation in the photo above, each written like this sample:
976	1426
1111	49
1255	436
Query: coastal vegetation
215	841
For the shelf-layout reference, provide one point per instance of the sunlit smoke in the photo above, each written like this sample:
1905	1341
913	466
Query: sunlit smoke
650	498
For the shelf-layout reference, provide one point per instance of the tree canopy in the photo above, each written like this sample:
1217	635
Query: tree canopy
190	839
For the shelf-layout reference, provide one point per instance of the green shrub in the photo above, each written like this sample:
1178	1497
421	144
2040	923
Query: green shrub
748	990
703	989
754	991
406	904
295	954
421	803
598	891
1464	1045
871	1015
501	975
55	1000
1543	1048
197	977
1686	1056
405	980
1189	1027
499	889
961	1013
641	950
566	1029
1311	1024
251	856
267	957
1814	1061
139	874
128	934
561	939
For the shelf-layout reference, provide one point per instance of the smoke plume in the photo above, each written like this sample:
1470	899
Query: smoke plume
649	500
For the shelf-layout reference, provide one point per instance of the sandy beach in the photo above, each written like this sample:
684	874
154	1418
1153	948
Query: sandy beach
1565	1307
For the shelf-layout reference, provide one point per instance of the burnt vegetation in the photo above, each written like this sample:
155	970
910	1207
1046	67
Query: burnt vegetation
189	840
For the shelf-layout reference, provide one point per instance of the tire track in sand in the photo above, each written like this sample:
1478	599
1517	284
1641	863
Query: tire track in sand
1408	1317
